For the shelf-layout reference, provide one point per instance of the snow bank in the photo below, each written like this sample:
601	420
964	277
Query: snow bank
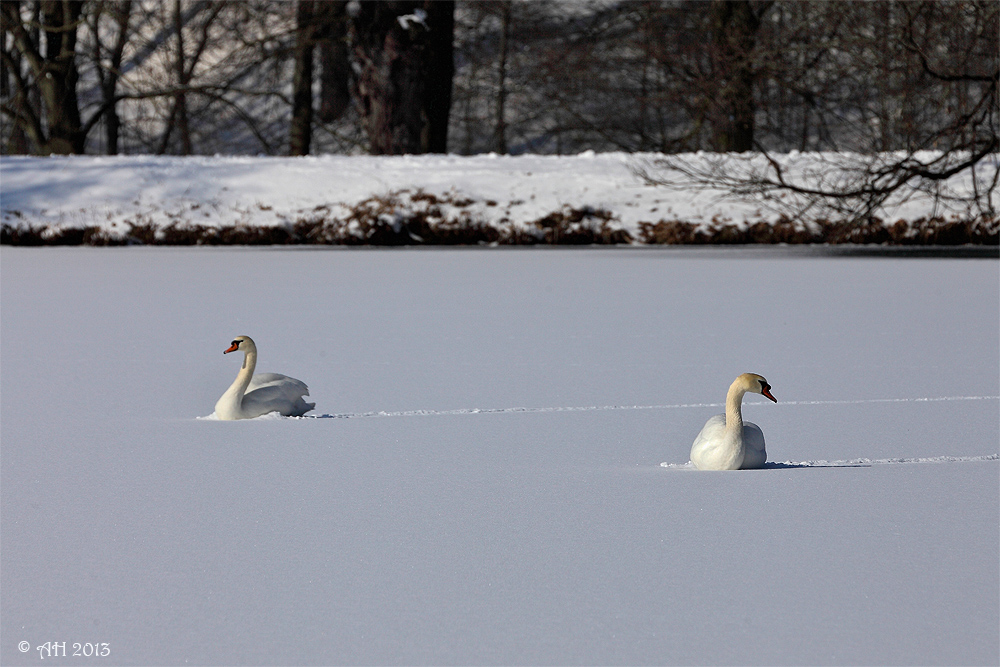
155	199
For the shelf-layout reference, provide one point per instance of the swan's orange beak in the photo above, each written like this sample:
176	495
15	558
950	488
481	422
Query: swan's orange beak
234	347
767	392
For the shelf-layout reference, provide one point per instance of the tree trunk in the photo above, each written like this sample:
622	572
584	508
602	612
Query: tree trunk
180	112
500	129
53	121
734	35
6	87
58	83
439	71
302	112
120	13
403	52
334	57
123	13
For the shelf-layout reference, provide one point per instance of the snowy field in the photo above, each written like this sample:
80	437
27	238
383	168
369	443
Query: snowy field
115	194
484	483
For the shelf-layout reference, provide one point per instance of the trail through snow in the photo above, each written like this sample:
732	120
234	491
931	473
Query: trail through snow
591	408
854	463
771	465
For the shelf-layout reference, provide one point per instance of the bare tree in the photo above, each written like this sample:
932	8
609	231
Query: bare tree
928	112
108	76
335	74
190	76
186	57
735	24
500	128
302	81
210	77
50	56
403	57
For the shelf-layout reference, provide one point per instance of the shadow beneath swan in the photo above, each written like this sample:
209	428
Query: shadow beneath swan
787	465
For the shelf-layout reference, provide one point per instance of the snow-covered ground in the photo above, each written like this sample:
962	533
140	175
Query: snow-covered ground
480	520
115	193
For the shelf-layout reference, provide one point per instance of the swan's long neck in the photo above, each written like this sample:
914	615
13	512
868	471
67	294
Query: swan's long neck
734	408
242	381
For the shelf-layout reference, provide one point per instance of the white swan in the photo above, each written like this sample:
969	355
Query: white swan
727	442
255	395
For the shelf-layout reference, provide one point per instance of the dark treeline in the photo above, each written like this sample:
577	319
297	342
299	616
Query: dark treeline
184	77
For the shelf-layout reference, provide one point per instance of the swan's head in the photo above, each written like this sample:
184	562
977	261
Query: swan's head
241	344
756	384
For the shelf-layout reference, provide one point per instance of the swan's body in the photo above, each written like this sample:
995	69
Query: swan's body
727	442
255	395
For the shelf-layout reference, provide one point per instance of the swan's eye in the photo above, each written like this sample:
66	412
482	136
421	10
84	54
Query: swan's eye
236	343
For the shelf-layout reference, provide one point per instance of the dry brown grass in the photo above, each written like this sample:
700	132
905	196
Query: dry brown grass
925	231
408	218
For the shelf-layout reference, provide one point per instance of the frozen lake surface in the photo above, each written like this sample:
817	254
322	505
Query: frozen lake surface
480	521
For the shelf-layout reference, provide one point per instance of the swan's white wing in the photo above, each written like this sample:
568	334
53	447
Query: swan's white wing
711	451
273	392
711	431
277	379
